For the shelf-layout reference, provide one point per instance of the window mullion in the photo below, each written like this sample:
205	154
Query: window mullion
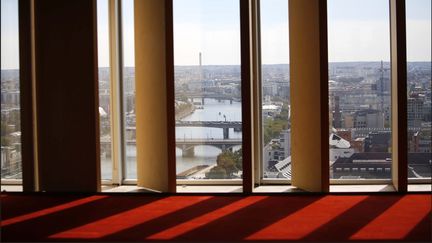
116	94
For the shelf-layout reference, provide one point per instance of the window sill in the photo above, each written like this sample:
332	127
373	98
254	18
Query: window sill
420	187
362	188
11	188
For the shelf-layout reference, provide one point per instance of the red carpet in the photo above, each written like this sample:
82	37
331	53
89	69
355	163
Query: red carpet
198	218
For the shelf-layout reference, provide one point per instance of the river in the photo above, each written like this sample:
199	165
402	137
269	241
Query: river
213	110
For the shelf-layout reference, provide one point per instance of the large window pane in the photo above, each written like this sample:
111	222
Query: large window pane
418	24
10	92
130	166
104	89
275	89
359	89
208	89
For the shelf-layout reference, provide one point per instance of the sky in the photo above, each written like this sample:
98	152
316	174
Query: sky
9	34
358	30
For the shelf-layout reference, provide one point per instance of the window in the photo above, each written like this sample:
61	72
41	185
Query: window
275	89
128	85
10	92
104	89
359	85
207	89
418	24
109	99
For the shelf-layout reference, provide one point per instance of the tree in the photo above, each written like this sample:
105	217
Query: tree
273	127
238	158
226	160
228	163
216	172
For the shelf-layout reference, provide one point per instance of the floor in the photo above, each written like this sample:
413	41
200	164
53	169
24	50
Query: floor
210	218
260	189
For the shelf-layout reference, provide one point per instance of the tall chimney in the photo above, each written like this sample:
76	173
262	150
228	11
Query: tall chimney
200	68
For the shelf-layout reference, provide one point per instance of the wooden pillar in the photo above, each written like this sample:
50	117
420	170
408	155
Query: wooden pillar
246	80
154	95
309	94
67	95
399	95
26	96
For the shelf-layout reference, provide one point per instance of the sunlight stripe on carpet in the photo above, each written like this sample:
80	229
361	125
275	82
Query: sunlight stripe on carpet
306	220
51	210
130	218
398	220
206	218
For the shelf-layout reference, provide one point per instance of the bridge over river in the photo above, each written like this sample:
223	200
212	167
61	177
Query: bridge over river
208	95
187	145
225	125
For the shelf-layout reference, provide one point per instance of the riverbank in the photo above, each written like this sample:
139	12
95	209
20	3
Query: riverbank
184	110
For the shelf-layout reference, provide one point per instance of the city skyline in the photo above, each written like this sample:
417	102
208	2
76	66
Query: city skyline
206	105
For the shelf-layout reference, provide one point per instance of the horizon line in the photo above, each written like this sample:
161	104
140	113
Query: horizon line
185	65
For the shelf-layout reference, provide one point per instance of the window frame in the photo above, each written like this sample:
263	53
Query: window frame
250	56
256	84
257	99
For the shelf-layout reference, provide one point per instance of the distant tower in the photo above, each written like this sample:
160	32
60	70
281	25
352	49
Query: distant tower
200	68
